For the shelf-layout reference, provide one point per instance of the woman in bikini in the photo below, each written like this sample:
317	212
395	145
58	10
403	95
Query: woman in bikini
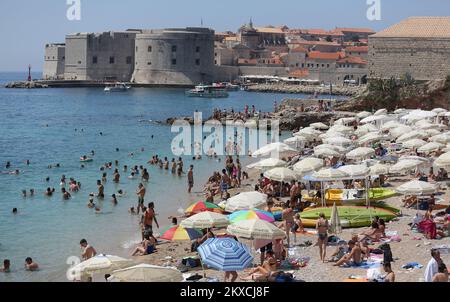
288	218
322	233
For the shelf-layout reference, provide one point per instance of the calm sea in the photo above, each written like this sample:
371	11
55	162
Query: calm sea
39	125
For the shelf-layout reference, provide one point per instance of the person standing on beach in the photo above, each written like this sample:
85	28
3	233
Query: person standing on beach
322	233
149	217
433	265
190	178
87	251
141	195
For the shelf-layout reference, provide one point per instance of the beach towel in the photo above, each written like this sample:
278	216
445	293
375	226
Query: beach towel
412	265
364	265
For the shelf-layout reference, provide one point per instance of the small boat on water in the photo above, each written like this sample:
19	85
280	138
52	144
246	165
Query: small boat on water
227	86
117	87
208	91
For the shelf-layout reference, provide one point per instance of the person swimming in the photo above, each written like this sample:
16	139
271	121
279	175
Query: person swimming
14	210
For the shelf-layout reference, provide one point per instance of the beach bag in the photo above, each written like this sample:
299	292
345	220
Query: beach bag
284	277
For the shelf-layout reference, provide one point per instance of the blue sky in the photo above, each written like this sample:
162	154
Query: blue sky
27	25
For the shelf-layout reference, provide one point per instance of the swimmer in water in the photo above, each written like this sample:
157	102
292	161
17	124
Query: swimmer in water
91	203
24	193
132	211
117	149
114	199
8	165
47	179
31	192
92	152
14	211
120	193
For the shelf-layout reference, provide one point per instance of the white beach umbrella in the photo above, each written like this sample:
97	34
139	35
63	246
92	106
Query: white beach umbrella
381	112
405	166
148	273
416	187
340	141
414	143
331	134
308	165
443	161
439	110
414	157
418	115
341	129
370	138
430	147
400	110
345	121
355	170
255	229
373	118
443	138
379	169
205	220
308	131
360	153
267	164
399	131
246	201
432	132
332	147
391	125
100	264
363	114
274	149
335	221
364	129
411	135
280	174
320	126
322	152
329	174
296	141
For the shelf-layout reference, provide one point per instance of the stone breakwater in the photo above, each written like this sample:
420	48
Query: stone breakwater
300	89
29	85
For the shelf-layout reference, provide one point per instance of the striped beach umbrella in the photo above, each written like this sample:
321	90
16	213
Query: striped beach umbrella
225	254
202	206
250	215
178	233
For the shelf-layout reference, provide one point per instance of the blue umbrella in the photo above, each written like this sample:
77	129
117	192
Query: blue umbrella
225	254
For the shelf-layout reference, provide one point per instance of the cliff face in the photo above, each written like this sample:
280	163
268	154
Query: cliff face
404	93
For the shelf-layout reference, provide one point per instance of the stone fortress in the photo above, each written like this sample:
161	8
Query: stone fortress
418	46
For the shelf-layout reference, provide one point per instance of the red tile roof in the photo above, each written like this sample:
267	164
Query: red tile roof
332	56
355	30
352	60
299	49
247	61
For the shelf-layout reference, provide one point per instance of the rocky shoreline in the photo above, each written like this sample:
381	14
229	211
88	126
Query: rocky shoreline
290	116
301	89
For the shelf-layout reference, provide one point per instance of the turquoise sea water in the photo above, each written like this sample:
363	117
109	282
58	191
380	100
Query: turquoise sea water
39	125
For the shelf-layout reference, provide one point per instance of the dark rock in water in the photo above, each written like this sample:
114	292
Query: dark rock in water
26	85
